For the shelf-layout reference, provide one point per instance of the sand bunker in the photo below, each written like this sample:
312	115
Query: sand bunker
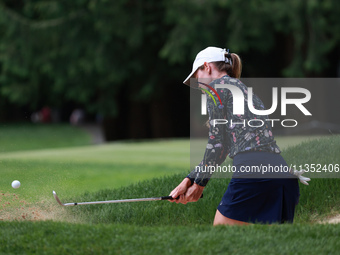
14	208
331	220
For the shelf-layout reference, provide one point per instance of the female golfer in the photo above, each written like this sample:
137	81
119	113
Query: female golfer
250	198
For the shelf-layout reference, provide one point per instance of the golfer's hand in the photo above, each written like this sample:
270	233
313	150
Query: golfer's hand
180	189
193	194
188	192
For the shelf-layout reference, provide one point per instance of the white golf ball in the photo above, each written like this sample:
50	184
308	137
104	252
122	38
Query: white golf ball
15	184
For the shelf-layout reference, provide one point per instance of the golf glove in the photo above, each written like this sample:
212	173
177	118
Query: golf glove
303	180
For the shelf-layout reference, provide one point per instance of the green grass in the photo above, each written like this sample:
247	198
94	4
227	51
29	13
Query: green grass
147	169
65	238
90	168
14	137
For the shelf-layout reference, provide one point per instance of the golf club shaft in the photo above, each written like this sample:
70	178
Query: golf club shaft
113	201
117	201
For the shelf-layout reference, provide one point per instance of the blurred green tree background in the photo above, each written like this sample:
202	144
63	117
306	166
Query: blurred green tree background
125	60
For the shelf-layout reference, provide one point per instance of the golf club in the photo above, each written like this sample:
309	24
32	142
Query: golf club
113	201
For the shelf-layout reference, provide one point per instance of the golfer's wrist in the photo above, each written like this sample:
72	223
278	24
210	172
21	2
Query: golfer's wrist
191	178
188	182
201	181
199	186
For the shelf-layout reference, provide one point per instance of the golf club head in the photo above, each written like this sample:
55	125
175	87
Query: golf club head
57	198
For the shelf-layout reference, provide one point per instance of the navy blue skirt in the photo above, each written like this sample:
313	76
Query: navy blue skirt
260	200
